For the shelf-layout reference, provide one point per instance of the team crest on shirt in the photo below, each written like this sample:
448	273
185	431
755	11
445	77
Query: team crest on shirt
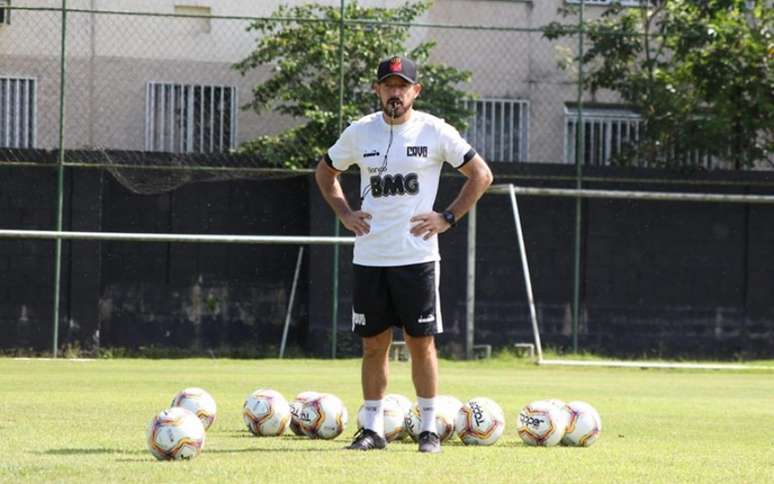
418	151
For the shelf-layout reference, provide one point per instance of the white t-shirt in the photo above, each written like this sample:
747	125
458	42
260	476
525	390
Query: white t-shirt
405	187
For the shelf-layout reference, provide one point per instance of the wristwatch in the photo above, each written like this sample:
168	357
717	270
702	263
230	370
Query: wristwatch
449	217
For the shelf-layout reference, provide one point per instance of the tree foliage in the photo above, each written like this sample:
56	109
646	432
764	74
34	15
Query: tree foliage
302	45
699	73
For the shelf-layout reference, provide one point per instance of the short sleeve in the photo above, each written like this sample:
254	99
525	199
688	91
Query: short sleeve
342	154
456	150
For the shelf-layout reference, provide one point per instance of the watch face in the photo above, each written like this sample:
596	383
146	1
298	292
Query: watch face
449	217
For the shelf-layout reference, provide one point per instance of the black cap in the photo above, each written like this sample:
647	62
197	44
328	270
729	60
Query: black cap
397	66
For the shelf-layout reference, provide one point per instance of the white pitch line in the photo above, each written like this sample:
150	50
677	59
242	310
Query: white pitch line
78	360
654	364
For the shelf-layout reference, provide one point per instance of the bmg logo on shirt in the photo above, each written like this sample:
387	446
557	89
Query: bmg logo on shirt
418	151
387	185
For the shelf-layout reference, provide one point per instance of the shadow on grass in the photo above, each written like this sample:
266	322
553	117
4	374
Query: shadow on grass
101	450
265	449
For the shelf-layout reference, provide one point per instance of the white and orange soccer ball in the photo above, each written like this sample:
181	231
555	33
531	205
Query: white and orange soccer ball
451	404
405	406
295	410
175	434
403	402
445	414
583	426
480	421
541	423
266	413
199	402
394	419
323	417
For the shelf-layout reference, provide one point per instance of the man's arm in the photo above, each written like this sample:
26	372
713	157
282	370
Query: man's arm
328	181
479	178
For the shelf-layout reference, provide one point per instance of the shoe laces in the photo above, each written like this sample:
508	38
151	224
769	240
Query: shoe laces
358	434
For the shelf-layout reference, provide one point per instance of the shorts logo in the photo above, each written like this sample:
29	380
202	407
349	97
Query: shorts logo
358	319
419	151
430	318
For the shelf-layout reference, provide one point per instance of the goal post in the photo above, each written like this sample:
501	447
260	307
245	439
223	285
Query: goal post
512	191
188	238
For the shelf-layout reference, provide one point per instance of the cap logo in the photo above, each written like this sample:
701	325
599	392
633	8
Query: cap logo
395	65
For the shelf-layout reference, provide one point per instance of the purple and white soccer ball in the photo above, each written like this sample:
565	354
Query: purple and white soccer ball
266	413
199	402
175	434
583	424
295	410
480	421
541	423
323	417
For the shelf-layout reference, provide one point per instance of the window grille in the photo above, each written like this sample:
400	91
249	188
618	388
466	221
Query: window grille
498	129
607	132
5	13
18	99
190	118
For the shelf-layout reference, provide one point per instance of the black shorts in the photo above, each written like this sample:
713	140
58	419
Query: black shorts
402	296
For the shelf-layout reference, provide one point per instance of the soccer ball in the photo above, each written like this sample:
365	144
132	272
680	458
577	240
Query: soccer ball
556	402
405	406
583	426
445	414
175	434
295	410
323	417
199	402
541	423
480	421
394	419
266	412
403	402
452	404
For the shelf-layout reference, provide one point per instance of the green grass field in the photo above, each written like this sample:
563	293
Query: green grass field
70	421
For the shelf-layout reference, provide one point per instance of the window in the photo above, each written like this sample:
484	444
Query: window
498	128
18	97
607	132
191	24
190	118
5	13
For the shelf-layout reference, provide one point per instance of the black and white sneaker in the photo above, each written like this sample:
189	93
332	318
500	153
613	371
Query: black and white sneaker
429	442
366	439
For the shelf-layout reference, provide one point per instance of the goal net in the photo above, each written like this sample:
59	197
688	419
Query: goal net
672	282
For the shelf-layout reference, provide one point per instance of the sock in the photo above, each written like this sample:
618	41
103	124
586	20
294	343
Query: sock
427	414
373	416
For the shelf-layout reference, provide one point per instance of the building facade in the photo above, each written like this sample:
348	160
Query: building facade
165	82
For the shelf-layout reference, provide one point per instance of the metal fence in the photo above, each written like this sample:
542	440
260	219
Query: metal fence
154	95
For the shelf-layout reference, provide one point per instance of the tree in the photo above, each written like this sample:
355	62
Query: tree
302	43
698	72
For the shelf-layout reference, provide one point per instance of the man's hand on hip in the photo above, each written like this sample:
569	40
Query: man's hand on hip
428	224
357	222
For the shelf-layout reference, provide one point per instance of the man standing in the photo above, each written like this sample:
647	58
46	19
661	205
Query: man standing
400	153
